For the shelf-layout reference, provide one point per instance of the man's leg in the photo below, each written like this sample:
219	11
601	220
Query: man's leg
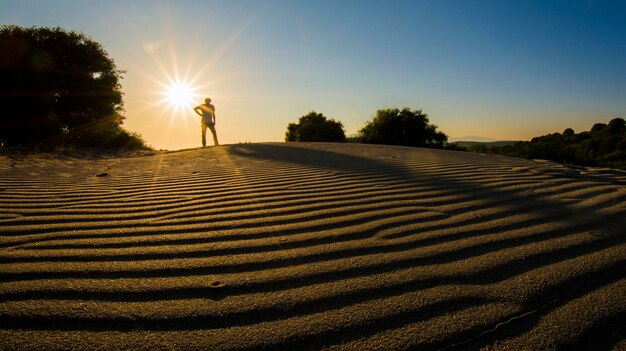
203	133
212	127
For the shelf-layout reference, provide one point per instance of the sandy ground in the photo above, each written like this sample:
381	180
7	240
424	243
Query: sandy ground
310	246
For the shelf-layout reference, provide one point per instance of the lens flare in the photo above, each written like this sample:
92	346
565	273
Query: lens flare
180	95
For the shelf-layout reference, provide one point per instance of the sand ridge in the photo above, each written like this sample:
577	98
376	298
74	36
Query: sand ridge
310	246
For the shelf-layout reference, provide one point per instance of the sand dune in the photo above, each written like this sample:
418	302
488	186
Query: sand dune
310	246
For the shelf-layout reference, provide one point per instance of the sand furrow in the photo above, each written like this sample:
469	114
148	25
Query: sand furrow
299	246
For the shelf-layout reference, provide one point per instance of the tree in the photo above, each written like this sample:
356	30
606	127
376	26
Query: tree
59	87
616	126
402	127
315	127
568	132
604	145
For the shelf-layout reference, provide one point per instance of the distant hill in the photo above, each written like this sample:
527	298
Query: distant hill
499	143
471	138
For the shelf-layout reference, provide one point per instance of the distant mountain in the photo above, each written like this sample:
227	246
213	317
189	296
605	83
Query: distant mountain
471	138
499	143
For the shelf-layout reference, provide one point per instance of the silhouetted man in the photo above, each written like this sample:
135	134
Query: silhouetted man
207	112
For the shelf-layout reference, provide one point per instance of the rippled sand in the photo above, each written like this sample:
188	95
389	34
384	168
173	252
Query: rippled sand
309	246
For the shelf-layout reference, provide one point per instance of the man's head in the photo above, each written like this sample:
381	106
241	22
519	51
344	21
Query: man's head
207	101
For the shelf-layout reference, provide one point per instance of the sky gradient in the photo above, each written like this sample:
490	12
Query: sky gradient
507	70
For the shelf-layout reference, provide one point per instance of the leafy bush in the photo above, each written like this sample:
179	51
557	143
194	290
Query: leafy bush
604	145
401	127
59	88
315	127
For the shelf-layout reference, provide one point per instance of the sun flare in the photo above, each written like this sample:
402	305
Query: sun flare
180	95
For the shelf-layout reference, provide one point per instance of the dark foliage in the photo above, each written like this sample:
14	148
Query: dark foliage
604	145
315	127
59	88
401	127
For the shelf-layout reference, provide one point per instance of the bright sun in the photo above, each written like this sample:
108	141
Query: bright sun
180	95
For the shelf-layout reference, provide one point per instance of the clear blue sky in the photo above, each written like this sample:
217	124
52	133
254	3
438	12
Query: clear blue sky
499	69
